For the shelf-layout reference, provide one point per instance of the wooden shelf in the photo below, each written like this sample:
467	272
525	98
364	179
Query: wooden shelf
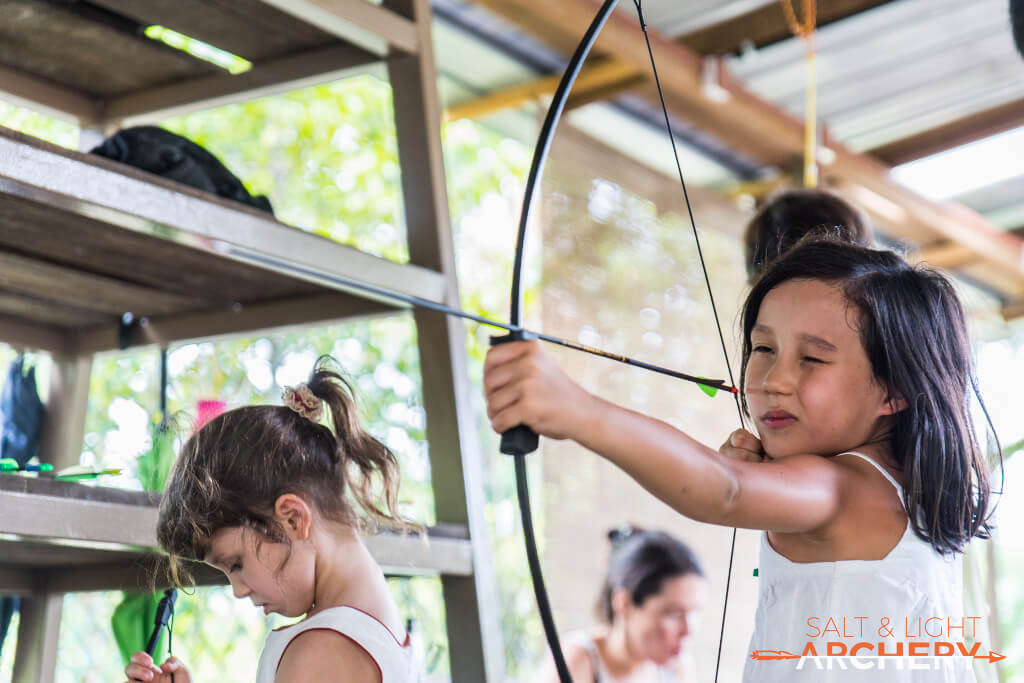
60	537
92	61
84	240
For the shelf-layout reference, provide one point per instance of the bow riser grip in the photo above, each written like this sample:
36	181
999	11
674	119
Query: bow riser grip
519	440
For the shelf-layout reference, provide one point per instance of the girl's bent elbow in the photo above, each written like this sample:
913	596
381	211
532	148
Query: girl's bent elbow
730	500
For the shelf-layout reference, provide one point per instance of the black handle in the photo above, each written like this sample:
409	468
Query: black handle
164	610
519	440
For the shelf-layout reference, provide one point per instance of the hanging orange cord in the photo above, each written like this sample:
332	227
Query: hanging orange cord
805	29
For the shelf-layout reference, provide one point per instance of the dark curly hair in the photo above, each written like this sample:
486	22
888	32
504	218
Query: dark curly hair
231	472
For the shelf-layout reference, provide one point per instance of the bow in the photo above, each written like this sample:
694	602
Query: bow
520	440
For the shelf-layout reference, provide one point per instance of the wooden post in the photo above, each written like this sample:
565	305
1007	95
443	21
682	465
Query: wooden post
64	423
474	634
35	658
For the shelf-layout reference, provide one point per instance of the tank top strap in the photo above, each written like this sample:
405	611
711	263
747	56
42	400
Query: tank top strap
393	658
585	641
882	470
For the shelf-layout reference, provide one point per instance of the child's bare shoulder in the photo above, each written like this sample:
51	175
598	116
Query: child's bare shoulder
845	467
320	654
805	464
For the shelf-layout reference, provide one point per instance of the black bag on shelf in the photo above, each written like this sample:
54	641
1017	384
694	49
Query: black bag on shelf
21	414
172	156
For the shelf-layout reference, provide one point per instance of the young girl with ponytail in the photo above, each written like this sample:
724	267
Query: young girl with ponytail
264	493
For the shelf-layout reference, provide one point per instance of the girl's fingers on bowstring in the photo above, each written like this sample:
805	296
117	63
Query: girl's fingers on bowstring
742	445
141	668
176	668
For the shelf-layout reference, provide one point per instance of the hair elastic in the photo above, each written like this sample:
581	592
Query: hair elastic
303	401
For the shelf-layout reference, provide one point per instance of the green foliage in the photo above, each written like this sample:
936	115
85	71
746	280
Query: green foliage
327	156
38	125
155	464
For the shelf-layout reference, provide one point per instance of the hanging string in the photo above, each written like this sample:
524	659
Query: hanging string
170	631
711	296
806	30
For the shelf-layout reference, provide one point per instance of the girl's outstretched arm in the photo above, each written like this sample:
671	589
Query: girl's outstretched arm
795	494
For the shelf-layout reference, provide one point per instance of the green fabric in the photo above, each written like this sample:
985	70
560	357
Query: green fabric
133	619
155	466
132	622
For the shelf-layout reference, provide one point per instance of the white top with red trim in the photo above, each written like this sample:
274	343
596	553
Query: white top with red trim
395	661
874	609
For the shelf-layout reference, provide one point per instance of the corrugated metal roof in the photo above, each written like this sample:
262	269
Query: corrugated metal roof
896	70
474	56
884	74
674	18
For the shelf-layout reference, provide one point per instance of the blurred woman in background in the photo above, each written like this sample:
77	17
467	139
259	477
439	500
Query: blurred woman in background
648	607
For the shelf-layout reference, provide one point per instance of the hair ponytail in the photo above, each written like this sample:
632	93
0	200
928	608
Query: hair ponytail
232	471
360	457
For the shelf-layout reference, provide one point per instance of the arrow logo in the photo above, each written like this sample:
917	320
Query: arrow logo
992	657
765	655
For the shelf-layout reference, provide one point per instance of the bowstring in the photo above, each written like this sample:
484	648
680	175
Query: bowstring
711	296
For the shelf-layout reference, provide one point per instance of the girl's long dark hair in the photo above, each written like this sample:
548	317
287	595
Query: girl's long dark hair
231	472
914	332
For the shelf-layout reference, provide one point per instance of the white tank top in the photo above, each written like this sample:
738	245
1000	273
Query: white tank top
654	673
394	660
910	585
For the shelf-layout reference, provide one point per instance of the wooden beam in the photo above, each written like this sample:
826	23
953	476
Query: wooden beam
750	124
600	93
765	26
252	318
141	575
248	28
1013	311
46	312
746	119
25	334
18	581
371	27
51	99
597	76
86	290
759	27
960	132
265	78
948	255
